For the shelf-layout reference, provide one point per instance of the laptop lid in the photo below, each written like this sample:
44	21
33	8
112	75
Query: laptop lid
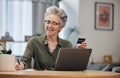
72	59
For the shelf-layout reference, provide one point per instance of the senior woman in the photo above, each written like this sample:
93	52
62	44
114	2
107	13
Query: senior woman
44	49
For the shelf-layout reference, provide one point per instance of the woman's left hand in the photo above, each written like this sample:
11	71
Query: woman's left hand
82	45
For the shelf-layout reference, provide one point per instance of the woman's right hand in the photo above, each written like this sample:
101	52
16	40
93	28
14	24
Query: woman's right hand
82	45
19	66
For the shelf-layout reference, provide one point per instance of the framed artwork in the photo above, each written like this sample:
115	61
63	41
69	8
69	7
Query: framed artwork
104	16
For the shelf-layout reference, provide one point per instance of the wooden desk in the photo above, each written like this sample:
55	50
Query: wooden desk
59	74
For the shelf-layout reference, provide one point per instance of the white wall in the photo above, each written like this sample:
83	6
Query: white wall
102	42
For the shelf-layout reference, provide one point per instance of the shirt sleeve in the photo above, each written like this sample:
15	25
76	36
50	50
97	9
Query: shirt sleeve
28	54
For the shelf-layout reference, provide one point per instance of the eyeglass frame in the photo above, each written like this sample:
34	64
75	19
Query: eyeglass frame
51	22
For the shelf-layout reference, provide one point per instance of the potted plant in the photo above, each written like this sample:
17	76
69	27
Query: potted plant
4	51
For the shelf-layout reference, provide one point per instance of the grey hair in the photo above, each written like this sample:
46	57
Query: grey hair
57	11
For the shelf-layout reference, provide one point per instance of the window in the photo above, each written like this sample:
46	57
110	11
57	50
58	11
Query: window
17	47
16	18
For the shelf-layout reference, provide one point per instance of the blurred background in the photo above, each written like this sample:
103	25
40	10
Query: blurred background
24	19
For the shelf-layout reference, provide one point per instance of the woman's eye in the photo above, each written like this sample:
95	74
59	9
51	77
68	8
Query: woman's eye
54	23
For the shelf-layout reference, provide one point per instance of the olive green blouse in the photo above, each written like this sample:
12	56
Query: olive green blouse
37	48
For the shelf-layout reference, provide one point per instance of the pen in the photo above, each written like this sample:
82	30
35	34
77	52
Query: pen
18	61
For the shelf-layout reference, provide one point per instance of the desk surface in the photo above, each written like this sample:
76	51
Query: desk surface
59	74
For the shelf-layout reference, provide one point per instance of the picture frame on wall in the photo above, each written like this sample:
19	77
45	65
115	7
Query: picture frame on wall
104	16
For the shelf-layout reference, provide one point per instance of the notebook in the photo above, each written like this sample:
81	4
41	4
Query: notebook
70	59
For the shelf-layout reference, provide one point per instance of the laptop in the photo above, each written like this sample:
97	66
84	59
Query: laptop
71	59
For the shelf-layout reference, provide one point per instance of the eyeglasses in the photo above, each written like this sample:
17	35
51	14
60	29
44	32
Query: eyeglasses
51	22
